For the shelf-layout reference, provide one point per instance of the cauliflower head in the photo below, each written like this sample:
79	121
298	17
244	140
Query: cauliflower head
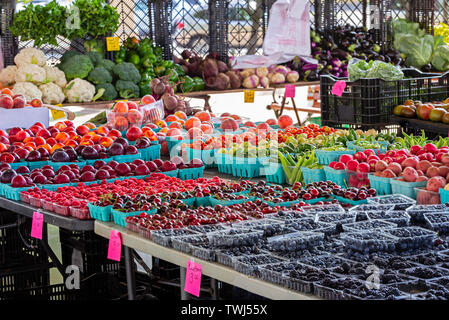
29	90
8	75
79	90
30	56
52	93
30	73
54	74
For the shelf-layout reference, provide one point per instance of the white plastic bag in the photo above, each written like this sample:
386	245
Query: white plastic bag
287	36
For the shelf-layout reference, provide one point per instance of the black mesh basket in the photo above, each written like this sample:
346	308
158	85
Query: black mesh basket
8	41
369	103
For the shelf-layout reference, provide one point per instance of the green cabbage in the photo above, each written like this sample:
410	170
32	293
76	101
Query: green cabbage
440	59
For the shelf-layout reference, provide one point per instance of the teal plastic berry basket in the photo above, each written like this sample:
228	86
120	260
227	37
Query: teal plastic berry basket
313	175
100	213
151	153
190	173
406	188
224	163
281	204
202	202
189	201
325	157
274	173
119	217
36	164
444	195
352	202
213	201
246	167
207	156
382	185
173	173
174	145
13	193
127	157
382	149
312	201
15	165
57	165
339	177
54	187
92	162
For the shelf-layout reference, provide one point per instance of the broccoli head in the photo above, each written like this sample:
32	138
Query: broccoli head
77	66
68	54
127	71
107	64
99	75
109	91
95	57
127	89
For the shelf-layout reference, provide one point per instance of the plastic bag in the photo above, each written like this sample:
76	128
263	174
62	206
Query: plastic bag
287	36
153	112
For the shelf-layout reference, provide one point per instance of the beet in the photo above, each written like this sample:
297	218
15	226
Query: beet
170	102
159	88
186	54
222	67
185	67
177	60
154	82
209	68
221	82
234	79
194	68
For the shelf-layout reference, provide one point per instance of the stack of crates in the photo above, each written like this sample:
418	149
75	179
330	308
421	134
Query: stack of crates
22	267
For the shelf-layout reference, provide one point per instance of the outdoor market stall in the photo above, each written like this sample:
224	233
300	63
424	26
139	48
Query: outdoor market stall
355	207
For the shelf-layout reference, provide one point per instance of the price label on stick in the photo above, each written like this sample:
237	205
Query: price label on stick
338	88
37	225
57	114
112	44
115	246
290	91
249	96
193	278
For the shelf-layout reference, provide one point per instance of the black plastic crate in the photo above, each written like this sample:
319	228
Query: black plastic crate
56	292
85	241
23	275
89	264
8	41
369	103
13	248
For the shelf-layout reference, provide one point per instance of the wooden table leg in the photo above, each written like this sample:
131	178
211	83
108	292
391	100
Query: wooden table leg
207	106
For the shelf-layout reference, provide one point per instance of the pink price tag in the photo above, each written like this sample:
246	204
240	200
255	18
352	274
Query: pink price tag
193	278
290	90
37	225
115	246
338	88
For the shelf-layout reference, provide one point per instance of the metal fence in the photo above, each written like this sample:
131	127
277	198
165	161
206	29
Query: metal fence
237	27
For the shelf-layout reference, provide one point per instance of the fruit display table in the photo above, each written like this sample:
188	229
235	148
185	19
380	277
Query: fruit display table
206	94
132	240
418	124
51	218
